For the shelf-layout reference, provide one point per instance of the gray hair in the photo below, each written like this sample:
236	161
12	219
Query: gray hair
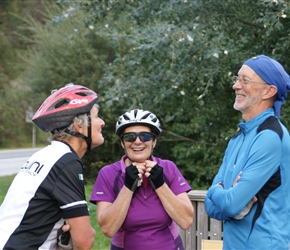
81	120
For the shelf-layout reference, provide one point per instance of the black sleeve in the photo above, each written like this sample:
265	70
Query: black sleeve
69	188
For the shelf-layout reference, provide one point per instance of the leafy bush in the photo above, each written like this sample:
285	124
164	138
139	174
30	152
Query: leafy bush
174	58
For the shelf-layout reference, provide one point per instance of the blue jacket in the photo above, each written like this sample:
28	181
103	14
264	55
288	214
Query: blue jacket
261	150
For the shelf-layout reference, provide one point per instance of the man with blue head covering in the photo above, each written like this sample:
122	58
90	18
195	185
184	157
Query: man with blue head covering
250	192
272	73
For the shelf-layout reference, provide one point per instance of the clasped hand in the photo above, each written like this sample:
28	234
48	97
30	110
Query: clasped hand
150	169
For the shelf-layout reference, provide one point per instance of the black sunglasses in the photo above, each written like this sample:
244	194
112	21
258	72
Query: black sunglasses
143	136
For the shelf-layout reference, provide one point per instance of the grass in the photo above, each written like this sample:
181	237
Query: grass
5	182
101	242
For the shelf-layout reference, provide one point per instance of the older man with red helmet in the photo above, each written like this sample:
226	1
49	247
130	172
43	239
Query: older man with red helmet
49	188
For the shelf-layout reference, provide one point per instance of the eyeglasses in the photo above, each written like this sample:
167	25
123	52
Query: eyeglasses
244	80
143	136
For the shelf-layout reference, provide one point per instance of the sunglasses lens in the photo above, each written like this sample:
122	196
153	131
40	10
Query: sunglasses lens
145	136
129	137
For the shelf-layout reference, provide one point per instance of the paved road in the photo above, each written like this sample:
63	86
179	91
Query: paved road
12	160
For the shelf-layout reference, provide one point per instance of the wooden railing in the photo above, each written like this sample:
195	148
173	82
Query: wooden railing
202	227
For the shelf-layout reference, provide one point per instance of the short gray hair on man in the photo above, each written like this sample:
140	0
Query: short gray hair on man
81	120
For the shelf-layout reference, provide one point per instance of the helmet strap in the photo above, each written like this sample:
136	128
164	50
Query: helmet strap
88	138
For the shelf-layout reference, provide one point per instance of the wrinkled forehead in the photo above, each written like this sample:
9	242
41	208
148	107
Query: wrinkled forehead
247	71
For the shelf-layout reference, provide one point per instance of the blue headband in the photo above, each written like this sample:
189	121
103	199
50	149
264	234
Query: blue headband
273	73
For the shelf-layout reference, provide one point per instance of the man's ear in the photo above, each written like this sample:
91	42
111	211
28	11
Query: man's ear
154	143
271	91
77	127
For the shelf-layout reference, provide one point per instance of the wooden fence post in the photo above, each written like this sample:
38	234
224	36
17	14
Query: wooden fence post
202	227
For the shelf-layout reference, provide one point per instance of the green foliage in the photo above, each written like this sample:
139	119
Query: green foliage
101	241
5	184
13	117
14	130
174	58
64	53
181	57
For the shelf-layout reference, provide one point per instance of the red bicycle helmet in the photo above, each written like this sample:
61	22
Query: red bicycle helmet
63	105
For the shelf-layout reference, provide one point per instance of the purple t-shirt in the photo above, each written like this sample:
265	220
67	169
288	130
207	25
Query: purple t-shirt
147	225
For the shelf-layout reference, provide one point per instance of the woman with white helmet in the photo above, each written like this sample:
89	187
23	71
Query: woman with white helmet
141	198
49	187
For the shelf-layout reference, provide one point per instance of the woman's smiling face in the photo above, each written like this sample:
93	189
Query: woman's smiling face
137	150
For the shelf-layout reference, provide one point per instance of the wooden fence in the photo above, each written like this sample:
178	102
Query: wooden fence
202	227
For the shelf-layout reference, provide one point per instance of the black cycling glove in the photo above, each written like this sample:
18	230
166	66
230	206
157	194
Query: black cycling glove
156	177
131	177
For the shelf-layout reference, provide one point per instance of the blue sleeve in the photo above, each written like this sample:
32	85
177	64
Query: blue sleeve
262	161
211	208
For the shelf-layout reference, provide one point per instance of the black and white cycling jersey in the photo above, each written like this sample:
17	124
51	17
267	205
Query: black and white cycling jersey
48	189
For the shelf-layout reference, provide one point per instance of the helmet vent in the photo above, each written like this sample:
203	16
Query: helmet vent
145	116
126	117
59	104
83	93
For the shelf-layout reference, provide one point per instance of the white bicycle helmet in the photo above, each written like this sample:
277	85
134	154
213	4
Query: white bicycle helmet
138	117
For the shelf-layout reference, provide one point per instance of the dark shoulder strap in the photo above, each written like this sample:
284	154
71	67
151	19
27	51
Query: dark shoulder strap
273	124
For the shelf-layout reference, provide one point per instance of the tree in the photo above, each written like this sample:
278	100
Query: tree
175	58
14	130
